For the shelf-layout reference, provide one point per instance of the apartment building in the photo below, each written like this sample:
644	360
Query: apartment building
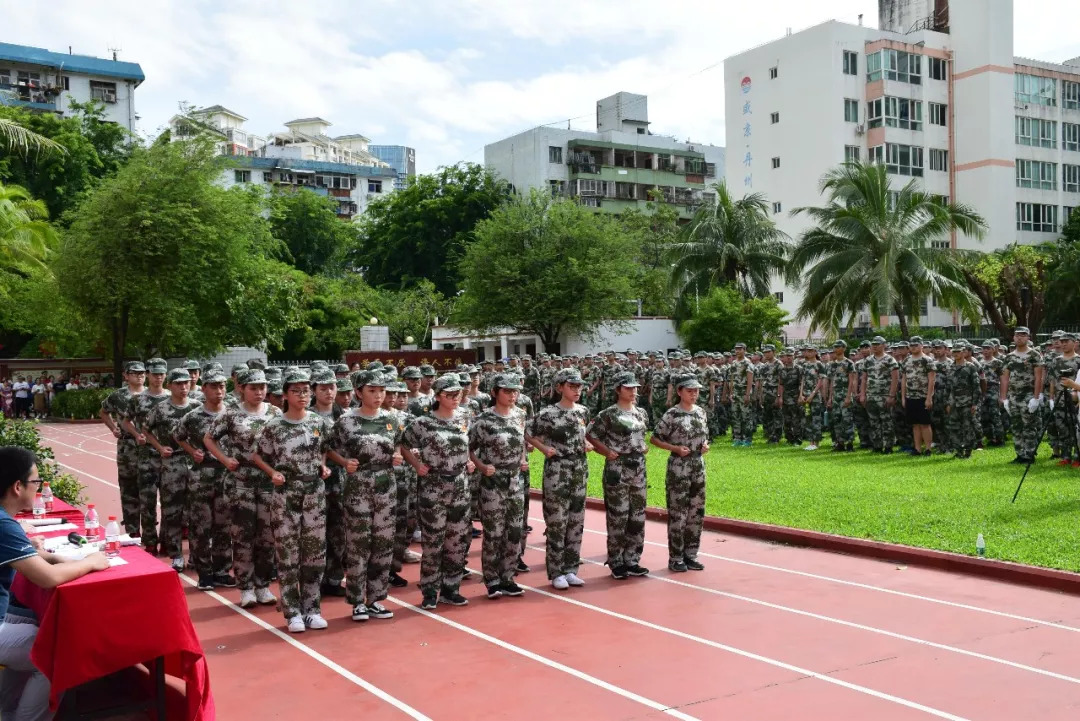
401	158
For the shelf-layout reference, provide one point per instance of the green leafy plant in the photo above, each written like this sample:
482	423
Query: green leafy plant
79	405
25	435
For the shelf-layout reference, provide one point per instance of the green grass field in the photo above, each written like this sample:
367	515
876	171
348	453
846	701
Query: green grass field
937	502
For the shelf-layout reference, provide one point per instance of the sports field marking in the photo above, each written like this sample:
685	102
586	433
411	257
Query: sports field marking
87	475
51	441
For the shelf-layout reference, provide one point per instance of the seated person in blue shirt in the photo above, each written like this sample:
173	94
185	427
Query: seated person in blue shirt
24	690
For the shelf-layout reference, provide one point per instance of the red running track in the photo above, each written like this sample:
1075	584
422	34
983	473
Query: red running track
765	632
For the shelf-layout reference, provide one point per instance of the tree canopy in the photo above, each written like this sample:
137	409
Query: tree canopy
725	317
308	225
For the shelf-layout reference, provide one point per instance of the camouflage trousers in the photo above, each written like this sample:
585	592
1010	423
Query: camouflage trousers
861	419
658	407
1062	421
336	547
175	476
993	426
405	485
722	414
939	424
149	482
1026	427
127	476
882	431
565	484
624	506
443	508
814	421
772	418
369	499
298	521
501	511
794	415
961	424
742	423
525	495
209	518
842	424
902	431
252	537
685	491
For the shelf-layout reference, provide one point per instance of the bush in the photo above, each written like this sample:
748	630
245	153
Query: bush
724	317
25	435
81	404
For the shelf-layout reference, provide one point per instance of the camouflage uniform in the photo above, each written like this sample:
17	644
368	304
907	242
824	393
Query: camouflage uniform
938	415
1026	426
500	441
163	421
1063	417
790	378
841	418
772	419
525	404
138	409
902	431
530	383
624	482
296	449
859	415
420	405
235	432
685	480
209	500
566	476
369	499
812	373
127	460
742	427
878	378
336	545
658	384
964	391
443	498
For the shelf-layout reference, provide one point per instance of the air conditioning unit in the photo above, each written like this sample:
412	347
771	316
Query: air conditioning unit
860	129
110	97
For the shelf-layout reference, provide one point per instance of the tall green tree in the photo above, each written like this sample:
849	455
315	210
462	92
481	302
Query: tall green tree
1011	284
26	238
1063	269
872	245
725	317
729	242
656	230
548	267
162	260
423	231
308	225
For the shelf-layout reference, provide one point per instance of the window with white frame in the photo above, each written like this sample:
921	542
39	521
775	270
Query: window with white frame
851	63
851	110
102	91
877	154
776	163
851	153
242	176
1035	89
894	65
904	159
1070	178
1070	95
268	176
554	154
938	113
773	73
937	68
776	208
779	295
1036	174
1036	132
1066	213
895	113
939	159
374	186
1036	217
774	118
1070	136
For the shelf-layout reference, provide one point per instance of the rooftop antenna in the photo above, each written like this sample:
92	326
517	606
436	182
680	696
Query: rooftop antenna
114	51
860	19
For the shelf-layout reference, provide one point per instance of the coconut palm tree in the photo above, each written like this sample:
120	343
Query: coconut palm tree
26	237
15	137
872	246
729	242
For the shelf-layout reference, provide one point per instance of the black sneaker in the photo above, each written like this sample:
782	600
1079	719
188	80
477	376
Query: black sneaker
476	533
333	589
512	589
397	581
377	610
637	570
494	592
206	583
676	565
452	597
618	573
431	600
522	567
360	612
693	565
224	580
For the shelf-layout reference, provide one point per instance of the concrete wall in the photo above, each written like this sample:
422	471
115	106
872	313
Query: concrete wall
642	334
122	112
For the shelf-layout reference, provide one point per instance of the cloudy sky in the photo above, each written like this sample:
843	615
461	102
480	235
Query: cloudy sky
447	77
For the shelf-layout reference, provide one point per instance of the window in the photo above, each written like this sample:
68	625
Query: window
776	208
775	163
67	83
851	153
1036	174
1035	89
877	154
939	245
938	113
554	154
1036	132
1066	213
851	63
1070	136
895	113
103	92
939	159
774	118
851	110
374	186
1036	217
773	73
936	68
242	176
268	176
904	159
894	65
779	295
1070	178
1070	95
641	131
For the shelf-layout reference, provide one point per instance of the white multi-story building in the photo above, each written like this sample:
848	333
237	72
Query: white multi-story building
614	168
46	81
936	94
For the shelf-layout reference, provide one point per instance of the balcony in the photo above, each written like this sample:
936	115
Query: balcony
30	94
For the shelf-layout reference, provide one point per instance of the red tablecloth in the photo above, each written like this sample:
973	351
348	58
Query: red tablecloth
69	513
111	620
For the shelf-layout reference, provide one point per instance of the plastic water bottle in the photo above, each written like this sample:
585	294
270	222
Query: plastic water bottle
112	538
980	546
39	506
92	524
47	497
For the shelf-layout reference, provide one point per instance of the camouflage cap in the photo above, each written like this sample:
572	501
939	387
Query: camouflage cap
192	365
740	345
323	376
341	368
238	369
157	366
515	356
390	372
988	344
526	357
788	351
373	366
462	368
701	354
397	387
275	388
369	378
839	344
937	343
251	376
916	340
626	380
1021	329
318	364
296	376
289	369
448	383
487	362
877	340
273	373
213	376
213	366
864	344
1057	334
179	375
569	375
509	381
902	344
134	367
427	370
768	347
256	363
463	378
411	373
687	382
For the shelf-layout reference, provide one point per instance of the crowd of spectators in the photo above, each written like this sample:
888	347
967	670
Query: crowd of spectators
27	397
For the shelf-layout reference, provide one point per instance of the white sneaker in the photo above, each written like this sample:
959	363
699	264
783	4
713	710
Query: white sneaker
247	599
263	596
315	622
411	556
810	447
560	583
573	580
416	536
296	625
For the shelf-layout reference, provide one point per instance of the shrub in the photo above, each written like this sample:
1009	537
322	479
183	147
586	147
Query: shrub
25	434
80	404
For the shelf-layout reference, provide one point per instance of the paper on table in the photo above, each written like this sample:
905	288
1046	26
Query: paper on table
43	522
58	527
117	561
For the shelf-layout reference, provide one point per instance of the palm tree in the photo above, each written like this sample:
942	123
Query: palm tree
872	246
13	136
729	242
26	238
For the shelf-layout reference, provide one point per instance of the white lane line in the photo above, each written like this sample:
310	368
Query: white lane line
852	624
109	438
865	586
53	441
655	705
335	667
85	474
749	654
